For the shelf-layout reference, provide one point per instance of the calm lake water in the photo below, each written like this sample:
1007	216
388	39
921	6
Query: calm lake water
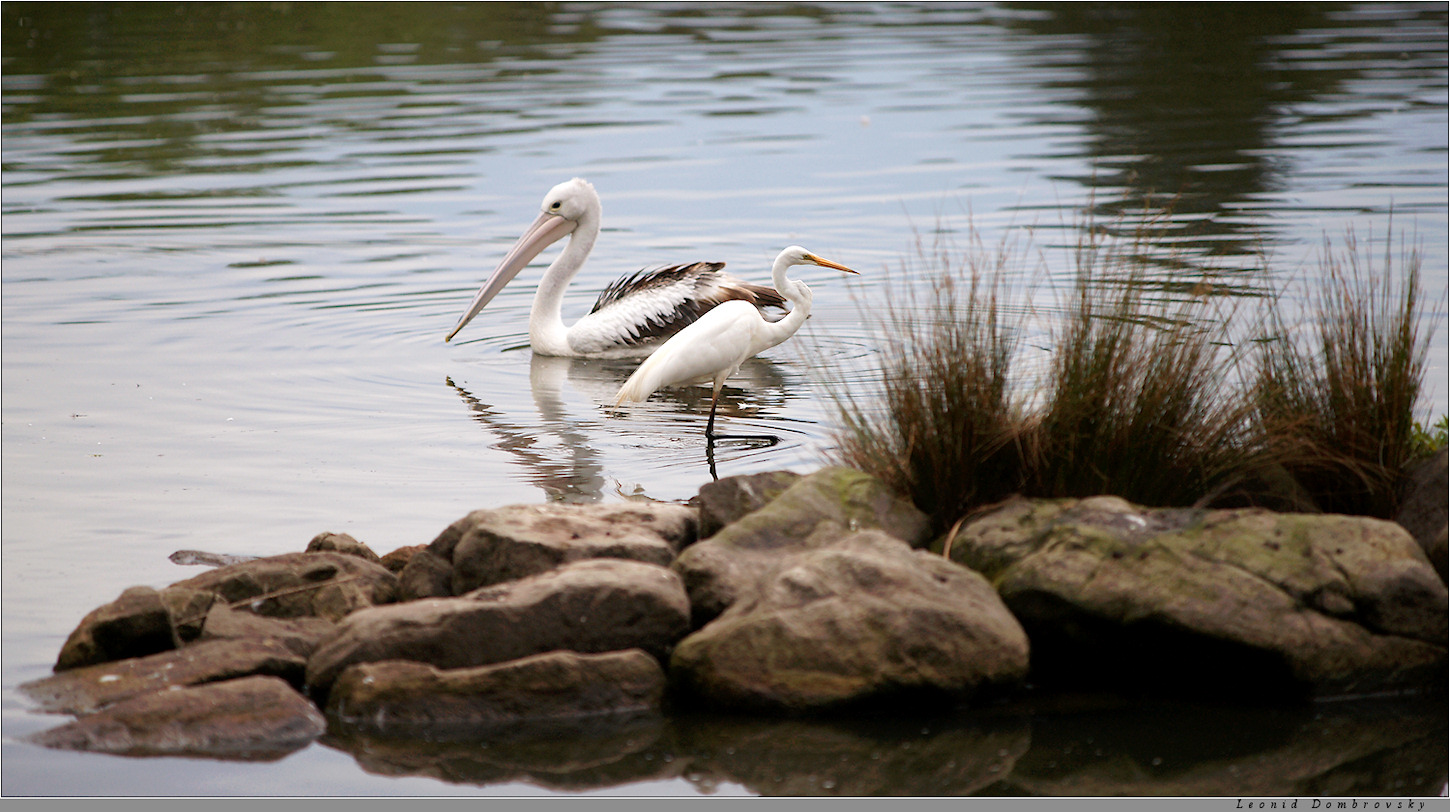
234	237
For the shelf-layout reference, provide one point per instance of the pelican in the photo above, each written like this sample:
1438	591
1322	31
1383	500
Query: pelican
632	315
713	347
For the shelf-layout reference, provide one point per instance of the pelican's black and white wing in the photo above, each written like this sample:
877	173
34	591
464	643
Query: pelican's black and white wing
644	308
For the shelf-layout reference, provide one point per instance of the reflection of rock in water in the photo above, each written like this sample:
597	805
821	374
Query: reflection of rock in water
851	757
1338	748
570	757
1364	747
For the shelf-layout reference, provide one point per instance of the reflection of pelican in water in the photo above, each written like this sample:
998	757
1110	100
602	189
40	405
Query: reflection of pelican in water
568	472
560	453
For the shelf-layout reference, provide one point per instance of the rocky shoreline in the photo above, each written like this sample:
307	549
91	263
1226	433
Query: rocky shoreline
773	594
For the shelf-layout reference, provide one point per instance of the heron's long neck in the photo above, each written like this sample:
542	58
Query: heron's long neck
800	310
547	333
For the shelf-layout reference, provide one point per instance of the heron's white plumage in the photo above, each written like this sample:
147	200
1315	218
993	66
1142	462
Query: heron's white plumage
633	315
712	348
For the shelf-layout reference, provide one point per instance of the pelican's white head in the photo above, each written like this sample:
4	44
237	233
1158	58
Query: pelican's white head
572	200
570	206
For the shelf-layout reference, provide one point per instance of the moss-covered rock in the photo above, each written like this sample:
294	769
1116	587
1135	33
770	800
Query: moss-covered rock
864	617
1238	600
718	570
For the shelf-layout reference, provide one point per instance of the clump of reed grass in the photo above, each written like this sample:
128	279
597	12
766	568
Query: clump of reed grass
1338	399
1134	400
946	428
1147	395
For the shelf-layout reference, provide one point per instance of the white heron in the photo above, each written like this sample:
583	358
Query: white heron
713	347
631	316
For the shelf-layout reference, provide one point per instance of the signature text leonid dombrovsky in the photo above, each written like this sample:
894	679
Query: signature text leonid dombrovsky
1334	803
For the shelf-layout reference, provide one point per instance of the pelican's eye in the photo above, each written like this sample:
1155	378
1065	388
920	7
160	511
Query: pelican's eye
555	205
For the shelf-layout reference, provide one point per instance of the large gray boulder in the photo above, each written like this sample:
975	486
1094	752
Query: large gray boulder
1225	600
253	718
719	570
851	618
492	546
594	605
400	697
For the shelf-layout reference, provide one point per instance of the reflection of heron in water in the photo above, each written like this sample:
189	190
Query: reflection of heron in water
560	452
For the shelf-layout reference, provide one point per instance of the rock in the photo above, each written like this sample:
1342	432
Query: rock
728	500
521	540
425	576
588	606
326	585
341	543
1236	601
863	617
133	625
395	561
188	609
1423	508
146	621
249	718
298	635
401	697
85	690
718	570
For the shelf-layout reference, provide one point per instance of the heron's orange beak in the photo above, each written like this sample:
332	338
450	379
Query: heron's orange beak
826	263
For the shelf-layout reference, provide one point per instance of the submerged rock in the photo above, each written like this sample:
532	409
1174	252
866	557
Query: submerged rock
854	617
260	718
594	605
718	570
1242	601
202	558
399	697
85	690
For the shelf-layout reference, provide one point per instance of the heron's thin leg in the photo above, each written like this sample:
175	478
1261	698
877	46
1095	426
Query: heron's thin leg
710	424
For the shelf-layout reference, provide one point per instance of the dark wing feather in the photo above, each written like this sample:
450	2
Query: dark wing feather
707	286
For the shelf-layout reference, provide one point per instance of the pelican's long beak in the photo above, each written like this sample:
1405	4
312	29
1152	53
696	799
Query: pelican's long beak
545	231
826	263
